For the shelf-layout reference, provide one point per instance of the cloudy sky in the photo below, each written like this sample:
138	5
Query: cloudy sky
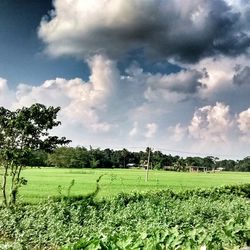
170	74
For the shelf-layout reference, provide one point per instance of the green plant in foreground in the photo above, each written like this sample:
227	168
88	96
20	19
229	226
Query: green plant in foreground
218	218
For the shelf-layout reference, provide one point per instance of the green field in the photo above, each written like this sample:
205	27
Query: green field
45	182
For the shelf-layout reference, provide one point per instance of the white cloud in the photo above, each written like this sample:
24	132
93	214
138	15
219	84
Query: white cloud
108	100
244	125
211	123
214	130
6	95
151	130
244	121
177	133
219	70
226	81
134	131
3	88
82	102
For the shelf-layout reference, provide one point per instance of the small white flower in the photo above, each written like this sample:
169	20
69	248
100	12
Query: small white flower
203	247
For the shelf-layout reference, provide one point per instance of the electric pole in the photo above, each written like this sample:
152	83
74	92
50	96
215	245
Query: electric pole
147	170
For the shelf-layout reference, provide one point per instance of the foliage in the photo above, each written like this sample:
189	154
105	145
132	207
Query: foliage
81	157
218	218
22	132
69	157
244	165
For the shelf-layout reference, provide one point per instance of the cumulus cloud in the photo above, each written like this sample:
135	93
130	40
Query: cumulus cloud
244	121
177	132
213	129
175	87
211	123
3	88
151	130
6	95
244	125
226	81
82	102
134	131
109	101
183	30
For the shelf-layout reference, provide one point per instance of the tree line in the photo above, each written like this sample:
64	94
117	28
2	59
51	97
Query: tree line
81	157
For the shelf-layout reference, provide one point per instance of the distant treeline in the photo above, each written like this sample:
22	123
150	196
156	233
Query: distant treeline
81	157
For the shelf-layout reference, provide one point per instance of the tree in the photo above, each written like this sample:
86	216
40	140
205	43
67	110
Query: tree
180	165
209	162
149	152
38	158
69	157
244	165
21	133
124	154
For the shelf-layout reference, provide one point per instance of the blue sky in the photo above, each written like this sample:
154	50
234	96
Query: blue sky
22	58
168	74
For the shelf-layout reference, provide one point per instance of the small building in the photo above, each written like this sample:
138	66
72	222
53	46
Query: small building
220	169
131	165
169	168
197	169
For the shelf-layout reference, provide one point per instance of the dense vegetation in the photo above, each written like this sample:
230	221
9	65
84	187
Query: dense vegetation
80	157
218	218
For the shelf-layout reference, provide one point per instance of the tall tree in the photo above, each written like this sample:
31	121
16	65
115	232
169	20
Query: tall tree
22	132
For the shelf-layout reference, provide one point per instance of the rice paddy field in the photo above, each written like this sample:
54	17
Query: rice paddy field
47	182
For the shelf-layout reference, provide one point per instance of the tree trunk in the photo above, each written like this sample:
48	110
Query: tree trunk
4	185
15	184
146	179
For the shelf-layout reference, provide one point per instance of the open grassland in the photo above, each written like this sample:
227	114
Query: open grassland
45	182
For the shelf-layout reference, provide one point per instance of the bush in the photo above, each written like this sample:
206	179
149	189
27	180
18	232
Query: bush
218	218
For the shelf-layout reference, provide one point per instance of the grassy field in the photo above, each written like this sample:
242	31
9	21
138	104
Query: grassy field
45	182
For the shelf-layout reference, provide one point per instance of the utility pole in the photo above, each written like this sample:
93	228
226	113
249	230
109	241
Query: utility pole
147	170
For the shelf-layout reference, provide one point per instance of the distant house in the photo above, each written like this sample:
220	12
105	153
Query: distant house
219	169
131	165
169	168
197	169
144	165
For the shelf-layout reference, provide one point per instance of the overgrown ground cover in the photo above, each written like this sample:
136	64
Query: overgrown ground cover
46	182
218	218
172	212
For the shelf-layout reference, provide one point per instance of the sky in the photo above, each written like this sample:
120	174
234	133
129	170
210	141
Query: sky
170	74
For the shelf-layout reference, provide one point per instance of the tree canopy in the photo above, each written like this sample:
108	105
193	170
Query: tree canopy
22	132
81	157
